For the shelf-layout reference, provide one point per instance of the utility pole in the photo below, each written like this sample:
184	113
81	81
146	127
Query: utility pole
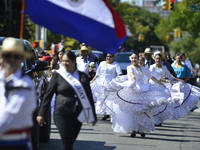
37	32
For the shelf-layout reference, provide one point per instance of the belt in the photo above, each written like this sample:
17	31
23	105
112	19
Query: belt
15	135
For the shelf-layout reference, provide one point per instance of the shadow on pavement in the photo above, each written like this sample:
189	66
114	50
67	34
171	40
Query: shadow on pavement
91	145
54	144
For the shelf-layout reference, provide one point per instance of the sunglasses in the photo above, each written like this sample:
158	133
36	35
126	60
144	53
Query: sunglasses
109	56
9	56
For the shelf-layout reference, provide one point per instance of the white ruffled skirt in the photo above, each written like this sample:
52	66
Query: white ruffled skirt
186	96
131	105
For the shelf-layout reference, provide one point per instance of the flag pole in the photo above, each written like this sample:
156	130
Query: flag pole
22	19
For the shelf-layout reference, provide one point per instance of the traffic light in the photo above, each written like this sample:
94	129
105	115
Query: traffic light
36	44
166	5
177	33
141	38
171	5
167	38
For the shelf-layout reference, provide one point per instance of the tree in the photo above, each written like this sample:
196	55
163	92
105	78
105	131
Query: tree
187	21
14	20
138	21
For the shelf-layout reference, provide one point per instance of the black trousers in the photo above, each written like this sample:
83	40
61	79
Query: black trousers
69	128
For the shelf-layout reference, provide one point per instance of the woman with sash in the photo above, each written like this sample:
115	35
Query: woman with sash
74	102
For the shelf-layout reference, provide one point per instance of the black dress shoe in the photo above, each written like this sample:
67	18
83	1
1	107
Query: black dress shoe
133	135
158	125
142	134
105	117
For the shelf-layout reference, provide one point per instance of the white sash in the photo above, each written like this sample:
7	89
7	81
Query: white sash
87	112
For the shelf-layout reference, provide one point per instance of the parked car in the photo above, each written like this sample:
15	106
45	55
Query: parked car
35	68
122	58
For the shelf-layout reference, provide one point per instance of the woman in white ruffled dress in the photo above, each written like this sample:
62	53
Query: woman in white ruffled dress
134	99
191	93
161	73
106	71
186	95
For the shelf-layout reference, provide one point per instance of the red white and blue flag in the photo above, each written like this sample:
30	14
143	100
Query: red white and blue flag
93	22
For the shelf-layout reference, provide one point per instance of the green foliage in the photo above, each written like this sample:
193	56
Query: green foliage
186	20
138	21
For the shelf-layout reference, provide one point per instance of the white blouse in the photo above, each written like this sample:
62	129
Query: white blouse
141	74
110	70
159	73
16	109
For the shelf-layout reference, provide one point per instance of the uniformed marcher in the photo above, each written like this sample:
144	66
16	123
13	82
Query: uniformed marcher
17	98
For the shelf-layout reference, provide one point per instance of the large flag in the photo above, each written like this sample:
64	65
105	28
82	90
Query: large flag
93	22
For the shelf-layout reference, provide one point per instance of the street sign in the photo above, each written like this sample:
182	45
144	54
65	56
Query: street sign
194	7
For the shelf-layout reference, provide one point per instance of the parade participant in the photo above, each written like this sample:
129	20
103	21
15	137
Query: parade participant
106	71
190	92
141	61
1	63
134	100
166	63
161	73
186	96
85	59
17	98
148	57
74	101
56	62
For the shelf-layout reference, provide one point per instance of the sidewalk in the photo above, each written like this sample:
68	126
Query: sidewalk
182	134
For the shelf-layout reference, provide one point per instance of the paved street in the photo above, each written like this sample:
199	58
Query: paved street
182	134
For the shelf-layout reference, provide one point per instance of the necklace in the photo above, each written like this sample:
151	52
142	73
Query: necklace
138	70
108	65
159	69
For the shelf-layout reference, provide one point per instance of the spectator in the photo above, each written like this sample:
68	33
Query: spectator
56	62
148	57
182	71
85	59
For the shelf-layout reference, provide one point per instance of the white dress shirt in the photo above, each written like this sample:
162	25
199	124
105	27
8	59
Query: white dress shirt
16	107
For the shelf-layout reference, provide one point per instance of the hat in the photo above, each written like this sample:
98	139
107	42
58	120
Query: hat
46	58
84	48
148	51
92	64
15	46
159	52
